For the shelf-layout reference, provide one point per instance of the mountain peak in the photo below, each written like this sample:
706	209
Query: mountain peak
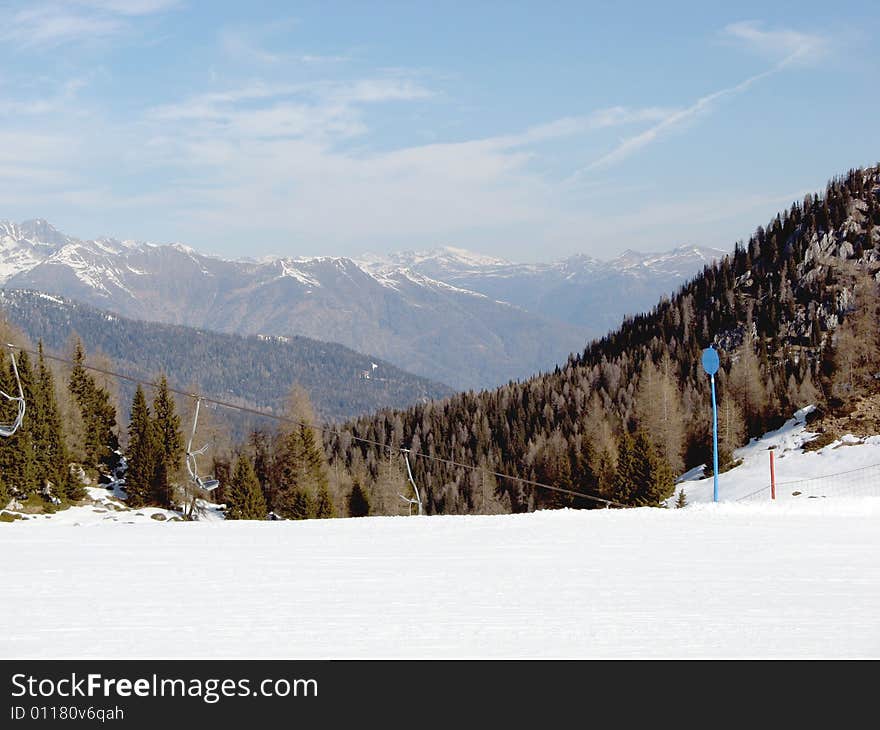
40	230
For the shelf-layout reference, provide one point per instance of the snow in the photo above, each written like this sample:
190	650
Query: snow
444	256
49	297
426	281
793	578
294	273
849	466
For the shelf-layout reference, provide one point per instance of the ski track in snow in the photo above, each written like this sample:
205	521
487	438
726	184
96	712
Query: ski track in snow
734	580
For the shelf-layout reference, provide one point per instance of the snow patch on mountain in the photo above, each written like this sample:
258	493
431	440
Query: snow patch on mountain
288	270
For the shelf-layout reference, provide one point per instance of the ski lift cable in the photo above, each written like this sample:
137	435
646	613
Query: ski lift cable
9	429
337	432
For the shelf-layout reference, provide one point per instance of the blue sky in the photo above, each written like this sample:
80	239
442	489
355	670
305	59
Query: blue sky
528	130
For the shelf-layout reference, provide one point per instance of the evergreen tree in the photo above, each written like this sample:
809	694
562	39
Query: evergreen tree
51	452
261	449
551	465
298	504
168	441
654	478
161	489
681	500
358	501
98	415
324	508
245	501
301	473
626	476
141	455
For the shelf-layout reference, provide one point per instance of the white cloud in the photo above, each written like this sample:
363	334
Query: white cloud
54	25
275	162
785	46
671	121
58	23
56	102
131	7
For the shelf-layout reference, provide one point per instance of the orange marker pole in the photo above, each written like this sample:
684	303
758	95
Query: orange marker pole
772	477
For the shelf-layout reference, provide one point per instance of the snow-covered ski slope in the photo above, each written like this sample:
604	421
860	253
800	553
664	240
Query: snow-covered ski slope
796	578
849	466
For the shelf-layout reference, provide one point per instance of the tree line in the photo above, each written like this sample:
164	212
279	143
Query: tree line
794	313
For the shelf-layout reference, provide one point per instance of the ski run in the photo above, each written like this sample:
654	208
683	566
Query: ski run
798	577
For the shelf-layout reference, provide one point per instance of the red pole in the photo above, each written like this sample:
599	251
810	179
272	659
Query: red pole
772	477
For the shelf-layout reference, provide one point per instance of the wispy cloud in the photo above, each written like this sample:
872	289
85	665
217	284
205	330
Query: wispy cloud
58	23
617	116
131	7
326	157
51	25
322	110
787	47
252	45
673	120
55	102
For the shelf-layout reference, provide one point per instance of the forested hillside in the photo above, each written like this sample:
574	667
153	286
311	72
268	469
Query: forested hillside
252	370
793	311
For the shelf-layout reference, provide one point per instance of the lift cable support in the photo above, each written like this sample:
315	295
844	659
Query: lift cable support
207	484
418	497
8	429
339	433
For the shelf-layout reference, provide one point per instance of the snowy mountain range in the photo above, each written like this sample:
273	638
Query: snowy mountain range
580	290
464	319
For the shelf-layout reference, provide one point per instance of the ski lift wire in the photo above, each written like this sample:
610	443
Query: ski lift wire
337	432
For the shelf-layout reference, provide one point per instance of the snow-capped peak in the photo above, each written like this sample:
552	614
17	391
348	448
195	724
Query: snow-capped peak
436	259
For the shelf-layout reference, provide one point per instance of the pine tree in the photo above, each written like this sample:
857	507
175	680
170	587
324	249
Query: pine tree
141	455
98	415
51	452
324	508
260	448
358	501
654	478
301	473
162	491
245	500
168	442
299	504
681	500
625	485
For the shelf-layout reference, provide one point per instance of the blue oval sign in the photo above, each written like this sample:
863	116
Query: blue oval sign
710	360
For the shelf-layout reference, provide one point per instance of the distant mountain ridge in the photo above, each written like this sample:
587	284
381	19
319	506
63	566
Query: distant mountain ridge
257	371
580	290
465	319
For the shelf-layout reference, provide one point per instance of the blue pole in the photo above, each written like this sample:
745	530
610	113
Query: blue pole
714	441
